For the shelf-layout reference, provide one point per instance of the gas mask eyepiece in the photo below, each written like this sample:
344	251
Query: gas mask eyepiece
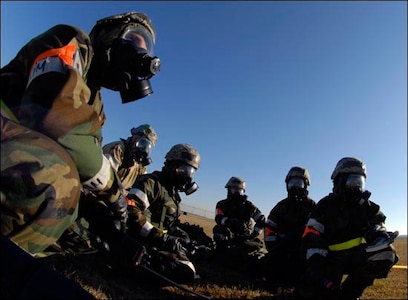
184	179
141	150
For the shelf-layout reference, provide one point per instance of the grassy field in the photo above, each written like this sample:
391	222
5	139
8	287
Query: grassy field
216	282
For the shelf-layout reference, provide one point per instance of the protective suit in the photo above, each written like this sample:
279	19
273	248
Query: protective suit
51	119
284	229
154	211
238	224
339	236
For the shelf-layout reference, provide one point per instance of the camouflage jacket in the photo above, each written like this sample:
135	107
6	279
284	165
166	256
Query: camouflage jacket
128	170
162	210
45	86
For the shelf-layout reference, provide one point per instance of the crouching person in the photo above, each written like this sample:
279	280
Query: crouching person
153	204
345	234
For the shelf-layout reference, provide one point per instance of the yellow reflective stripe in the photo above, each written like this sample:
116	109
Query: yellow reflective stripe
157	226
6	112
346	245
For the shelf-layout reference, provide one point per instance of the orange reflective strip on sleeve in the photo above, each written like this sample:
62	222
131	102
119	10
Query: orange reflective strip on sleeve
269	231
219	211
66	54
130	202
310	230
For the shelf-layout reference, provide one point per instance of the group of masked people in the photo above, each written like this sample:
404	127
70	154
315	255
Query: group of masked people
309	245
55	171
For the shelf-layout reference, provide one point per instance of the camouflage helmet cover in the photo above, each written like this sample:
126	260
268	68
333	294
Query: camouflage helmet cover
236	182
298	172
144	130
348	165
185	153
108	29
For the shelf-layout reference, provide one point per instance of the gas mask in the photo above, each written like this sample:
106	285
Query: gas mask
140	151
129	69
354	186
184	179
123	55
296	188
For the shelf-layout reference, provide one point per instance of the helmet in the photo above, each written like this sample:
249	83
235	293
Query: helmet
236	182
298	172
348	165
146	131
184	153
108	29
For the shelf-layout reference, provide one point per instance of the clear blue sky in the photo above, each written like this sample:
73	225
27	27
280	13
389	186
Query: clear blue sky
259	87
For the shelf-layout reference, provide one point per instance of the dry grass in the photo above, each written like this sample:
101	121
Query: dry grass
217	282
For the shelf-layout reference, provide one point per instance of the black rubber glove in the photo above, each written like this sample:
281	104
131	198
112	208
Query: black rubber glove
175	244
119	209
237	226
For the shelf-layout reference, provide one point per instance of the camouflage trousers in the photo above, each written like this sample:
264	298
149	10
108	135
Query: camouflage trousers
40	187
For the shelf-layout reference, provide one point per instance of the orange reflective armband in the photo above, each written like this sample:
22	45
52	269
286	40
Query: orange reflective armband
310	230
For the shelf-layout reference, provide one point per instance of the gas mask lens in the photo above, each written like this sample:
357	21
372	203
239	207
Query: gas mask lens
143	145
185	171
355	182
296	183
141	39
235	190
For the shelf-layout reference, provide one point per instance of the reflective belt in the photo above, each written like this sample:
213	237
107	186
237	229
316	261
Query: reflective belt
346	245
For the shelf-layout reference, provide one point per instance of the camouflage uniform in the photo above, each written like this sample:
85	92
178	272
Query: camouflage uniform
119	154
54	147
154	211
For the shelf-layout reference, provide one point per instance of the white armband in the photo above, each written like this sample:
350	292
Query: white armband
101	179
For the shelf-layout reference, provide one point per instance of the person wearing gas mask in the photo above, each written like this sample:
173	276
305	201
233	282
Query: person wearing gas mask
238	224
284	229
51	120
345	234
154	211
130	158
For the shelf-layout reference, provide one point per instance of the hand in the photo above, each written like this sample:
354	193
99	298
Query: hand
119	209
237	226
175	244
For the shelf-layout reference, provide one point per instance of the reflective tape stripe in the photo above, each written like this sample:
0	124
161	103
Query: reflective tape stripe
55	60
140	195
271	223
310	230
147	227
269	231
271	238
346	245
315	224
66	54
310	252
223	220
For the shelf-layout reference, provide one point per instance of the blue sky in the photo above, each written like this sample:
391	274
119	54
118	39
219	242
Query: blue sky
259	87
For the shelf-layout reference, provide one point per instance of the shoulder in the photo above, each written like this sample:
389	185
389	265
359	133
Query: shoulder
113	145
